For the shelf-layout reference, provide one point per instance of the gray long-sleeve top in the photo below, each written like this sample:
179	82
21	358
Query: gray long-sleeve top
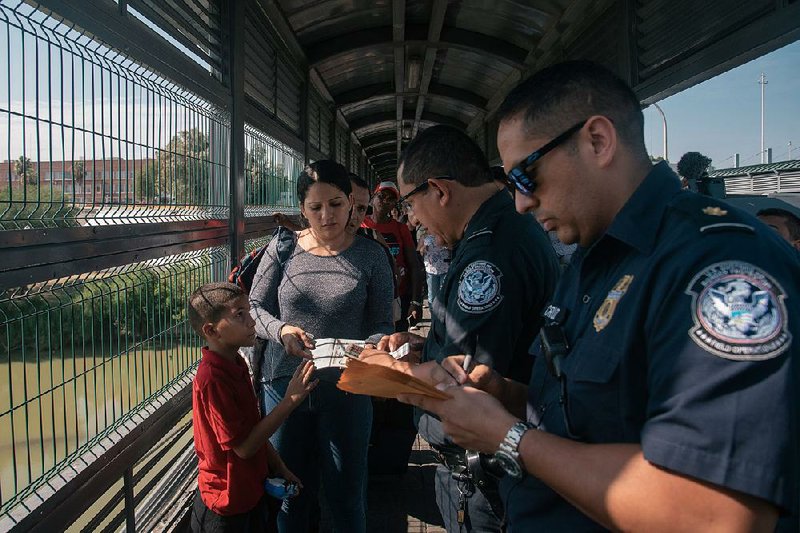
348	296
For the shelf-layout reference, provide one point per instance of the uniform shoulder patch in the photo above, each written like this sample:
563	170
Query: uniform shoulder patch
479	287
738	312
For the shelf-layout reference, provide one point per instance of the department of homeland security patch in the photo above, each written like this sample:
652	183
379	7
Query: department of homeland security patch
479	287
738	312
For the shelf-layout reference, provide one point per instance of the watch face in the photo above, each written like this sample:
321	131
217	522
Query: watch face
508	463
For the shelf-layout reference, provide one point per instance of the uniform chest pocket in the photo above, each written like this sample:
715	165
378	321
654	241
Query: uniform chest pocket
594	388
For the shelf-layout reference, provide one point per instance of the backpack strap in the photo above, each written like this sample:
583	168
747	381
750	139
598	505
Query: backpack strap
287	241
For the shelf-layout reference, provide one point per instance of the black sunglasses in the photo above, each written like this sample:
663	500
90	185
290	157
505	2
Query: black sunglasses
520	178
402	203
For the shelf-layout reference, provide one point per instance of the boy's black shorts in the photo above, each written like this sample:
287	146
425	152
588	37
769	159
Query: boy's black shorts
260	519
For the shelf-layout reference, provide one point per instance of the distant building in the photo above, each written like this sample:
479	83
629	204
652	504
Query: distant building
101	181
765	179
757	187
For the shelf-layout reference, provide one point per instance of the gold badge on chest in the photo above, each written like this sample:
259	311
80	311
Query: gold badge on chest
606	311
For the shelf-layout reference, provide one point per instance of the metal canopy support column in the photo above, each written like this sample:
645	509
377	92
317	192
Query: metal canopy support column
235	43
398	36
305	119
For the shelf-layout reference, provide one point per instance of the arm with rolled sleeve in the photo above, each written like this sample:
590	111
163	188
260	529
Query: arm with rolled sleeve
264	295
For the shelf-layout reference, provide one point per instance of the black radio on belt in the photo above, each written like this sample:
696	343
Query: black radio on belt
553	340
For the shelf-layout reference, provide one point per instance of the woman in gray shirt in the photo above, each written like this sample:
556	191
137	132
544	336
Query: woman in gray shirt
335	284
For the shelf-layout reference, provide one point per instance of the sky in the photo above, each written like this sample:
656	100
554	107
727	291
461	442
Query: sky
718	117
722	115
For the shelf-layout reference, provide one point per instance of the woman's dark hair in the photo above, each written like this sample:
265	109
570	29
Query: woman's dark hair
323	171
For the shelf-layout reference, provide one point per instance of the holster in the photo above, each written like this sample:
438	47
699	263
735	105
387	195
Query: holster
476	468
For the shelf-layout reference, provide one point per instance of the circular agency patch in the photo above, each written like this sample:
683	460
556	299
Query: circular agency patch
738	312
479	287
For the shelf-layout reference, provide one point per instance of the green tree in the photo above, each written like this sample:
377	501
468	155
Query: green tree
179	174
78	171
693	165
24	168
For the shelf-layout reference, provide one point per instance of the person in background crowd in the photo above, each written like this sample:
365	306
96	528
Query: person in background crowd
501	275
334	285
436	259
785	223
664	390
402	247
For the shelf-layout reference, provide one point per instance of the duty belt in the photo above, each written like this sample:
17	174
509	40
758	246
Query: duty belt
469	467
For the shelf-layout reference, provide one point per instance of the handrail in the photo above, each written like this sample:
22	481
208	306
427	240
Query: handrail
78	485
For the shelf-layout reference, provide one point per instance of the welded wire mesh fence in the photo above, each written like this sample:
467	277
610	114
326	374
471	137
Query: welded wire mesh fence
271	171
89	137
77	354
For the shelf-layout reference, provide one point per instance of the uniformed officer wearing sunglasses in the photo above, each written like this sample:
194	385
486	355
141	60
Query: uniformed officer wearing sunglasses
664	390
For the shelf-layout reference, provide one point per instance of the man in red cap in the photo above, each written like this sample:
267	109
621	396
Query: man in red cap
400	243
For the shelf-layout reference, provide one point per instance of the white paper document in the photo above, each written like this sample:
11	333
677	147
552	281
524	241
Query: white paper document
334	352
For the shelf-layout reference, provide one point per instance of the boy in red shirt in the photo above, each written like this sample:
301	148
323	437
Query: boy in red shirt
230	438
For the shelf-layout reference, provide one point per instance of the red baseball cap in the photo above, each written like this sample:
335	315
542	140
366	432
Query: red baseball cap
388	185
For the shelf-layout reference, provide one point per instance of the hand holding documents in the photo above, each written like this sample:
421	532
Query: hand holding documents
376	380
334	353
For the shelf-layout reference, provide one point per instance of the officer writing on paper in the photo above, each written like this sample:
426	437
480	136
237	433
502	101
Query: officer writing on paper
664	390
501	274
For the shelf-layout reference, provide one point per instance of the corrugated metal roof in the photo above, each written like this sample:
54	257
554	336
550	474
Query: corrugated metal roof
767	168
390	65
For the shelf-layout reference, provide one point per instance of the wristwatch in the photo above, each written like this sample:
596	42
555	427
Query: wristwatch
507	455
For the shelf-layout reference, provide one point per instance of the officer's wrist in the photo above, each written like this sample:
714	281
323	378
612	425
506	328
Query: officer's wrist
416	303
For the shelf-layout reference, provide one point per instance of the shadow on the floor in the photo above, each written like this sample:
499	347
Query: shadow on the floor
402	503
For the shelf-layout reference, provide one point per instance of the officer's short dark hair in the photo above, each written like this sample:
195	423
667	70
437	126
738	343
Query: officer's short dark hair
792	220
445	151
560	96
209	303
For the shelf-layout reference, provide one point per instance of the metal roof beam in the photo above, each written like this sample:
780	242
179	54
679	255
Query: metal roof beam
377	147
384	90
383	158
376	138
363	122
434	33
416	34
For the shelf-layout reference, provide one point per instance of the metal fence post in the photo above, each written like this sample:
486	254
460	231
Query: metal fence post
130	503
235	45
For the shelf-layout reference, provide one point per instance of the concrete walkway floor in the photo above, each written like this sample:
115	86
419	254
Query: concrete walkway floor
405	503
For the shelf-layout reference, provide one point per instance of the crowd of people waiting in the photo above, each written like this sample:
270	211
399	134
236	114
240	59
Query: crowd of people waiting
645	379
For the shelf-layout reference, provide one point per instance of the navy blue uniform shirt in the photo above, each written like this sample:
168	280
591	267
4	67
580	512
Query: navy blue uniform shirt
502	273
680	322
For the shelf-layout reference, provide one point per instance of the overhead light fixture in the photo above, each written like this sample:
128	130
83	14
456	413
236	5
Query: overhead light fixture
413	72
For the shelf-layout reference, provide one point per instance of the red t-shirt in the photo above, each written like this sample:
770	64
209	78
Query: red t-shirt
398	238
224	411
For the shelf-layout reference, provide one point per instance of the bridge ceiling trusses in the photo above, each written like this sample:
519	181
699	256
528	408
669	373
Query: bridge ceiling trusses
394	67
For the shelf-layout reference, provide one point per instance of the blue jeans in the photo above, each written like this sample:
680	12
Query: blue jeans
434	286
325	439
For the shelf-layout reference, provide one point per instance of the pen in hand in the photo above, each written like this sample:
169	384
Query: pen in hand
468	357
